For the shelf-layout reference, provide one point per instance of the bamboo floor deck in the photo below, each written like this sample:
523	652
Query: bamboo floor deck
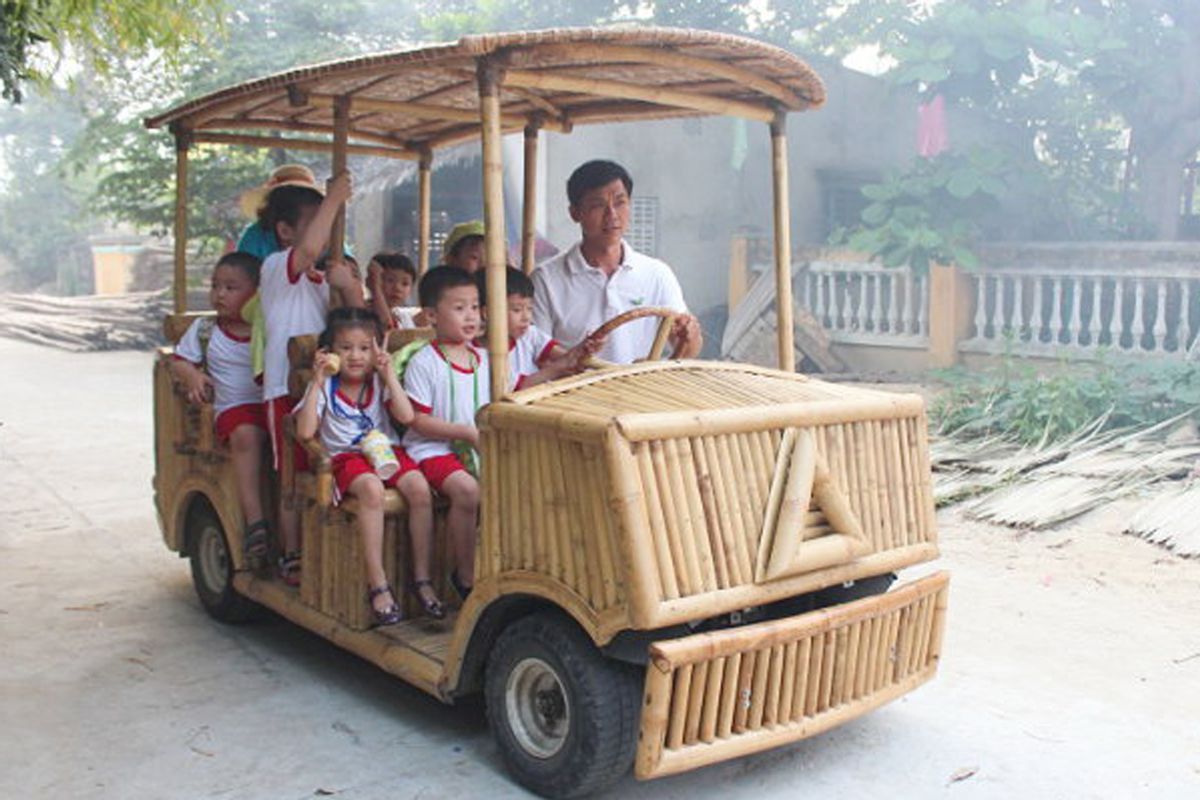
415	649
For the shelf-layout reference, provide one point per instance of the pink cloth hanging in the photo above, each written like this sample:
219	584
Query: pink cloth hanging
931	128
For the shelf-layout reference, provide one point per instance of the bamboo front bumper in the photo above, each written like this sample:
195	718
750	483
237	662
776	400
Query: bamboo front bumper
715	696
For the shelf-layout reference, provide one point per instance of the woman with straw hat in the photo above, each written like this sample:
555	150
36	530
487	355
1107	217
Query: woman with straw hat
280	206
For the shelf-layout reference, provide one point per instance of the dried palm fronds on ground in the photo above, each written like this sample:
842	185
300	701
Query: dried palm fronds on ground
92	322
1171	519
1038	487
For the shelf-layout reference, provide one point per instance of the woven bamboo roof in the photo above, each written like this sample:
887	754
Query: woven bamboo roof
406	103
688	386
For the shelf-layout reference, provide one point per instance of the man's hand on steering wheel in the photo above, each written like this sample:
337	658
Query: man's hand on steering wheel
686	336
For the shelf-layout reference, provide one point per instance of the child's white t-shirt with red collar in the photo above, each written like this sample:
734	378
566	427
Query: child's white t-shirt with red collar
525	355
290	307
444	390
227	361
345	419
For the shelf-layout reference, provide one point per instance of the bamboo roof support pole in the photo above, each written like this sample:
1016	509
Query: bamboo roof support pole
183	140
424	209
783	243
529	200
341	135
490	76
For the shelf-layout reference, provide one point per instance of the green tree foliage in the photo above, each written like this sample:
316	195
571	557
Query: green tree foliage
933	212
37	35
43	227
1064	84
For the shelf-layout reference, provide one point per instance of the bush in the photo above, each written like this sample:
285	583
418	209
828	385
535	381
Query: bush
1015	401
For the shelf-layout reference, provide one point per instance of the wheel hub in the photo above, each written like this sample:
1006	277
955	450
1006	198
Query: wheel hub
214	559
539	713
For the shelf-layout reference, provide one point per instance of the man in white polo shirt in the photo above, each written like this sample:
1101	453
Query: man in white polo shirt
601	276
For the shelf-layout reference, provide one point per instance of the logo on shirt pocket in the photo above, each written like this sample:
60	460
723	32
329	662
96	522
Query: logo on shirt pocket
637	301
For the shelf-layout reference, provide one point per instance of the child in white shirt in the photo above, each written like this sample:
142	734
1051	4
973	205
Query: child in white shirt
533	355
447	383
295	298
391	277
347	403
212	361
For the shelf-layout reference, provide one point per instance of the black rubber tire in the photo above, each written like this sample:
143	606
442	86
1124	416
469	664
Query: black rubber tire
212	568
603	695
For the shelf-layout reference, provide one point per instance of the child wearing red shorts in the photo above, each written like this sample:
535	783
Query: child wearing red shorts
447	383
347	403
213	363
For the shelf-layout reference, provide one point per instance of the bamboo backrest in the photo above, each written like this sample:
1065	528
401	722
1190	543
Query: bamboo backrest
176	325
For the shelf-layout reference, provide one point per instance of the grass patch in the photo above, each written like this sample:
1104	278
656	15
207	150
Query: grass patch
1016	401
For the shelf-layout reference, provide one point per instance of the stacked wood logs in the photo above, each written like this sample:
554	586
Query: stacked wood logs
92	322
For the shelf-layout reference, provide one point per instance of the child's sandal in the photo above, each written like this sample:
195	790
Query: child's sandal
432	608
463	591
289	568
388	616
255	540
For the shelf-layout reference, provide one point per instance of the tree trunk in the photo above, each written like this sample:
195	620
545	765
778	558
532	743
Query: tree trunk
1160	171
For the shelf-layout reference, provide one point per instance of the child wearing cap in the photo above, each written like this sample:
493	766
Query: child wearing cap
463	248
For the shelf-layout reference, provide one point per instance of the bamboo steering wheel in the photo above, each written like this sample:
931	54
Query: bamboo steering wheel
666	322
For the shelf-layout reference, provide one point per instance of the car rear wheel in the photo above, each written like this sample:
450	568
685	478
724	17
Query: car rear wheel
565	717
212	569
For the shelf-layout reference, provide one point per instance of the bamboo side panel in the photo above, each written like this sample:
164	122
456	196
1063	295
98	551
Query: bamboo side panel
720	695
333	578
712	502
547	511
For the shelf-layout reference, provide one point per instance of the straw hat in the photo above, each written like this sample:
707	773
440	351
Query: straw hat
287	175
459	232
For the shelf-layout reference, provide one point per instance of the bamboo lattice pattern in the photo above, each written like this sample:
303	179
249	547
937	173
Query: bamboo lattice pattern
555	521
713	696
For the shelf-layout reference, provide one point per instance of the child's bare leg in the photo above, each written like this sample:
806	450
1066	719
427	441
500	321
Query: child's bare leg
463	492
245	447
289	522
368	490
416	492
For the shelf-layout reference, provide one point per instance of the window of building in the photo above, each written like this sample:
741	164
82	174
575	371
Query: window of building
643	225
842	200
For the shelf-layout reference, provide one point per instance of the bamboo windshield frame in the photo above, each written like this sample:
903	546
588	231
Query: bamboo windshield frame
501	69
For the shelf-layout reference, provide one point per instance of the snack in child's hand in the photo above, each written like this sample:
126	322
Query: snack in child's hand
333	364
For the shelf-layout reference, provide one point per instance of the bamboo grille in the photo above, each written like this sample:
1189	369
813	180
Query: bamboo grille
713	696
706	497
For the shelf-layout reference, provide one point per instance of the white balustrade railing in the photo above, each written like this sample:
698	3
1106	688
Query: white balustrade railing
866	303
1079	312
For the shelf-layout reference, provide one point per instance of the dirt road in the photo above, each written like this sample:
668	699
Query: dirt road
1071	666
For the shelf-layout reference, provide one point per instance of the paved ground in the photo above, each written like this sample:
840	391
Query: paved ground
1071	669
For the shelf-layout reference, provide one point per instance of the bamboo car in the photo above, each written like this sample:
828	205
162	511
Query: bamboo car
679	562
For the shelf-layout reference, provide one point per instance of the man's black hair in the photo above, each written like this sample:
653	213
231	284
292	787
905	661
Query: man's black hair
348	317
515	282
285	204
247	263
593	175
390	260
438	280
